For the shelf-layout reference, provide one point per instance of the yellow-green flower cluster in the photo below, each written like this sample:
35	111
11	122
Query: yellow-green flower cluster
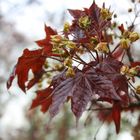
102	47
84	22
127	38
106	14
129	71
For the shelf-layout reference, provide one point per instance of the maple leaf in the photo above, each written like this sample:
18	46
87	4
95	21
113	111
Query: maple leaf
111	68
46	43
81	89
33	60
30	60
43	99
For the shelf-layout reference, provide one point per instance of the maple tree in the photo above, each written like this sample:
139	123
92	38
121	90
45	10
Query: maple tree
90	69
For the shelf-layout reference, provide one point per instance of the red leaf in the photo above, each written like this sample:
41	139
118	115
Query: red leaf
36	78
43	98
46	43
30	60
81	89
116	115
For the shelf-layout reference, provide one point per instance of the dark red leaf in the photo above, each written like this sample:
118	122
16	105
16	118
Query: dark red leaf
43	98
116	115
76	13
36	78
98	24
82	88
111	68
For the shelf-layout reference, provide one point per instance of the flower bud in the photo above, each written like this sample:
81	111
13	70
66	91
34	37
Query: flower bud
66	27
102	47
71	44
133	71
46	65
84	22
68	62
124	43
124	69
126	34
138	89
94	40
115	15
134	36
70	72
105	14
56	38
130	10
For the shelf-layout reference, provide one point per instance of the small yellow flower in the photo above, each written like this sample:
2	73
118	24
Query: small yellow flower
58	67
134	36
106	14
138	89
124	69
94	40
90	46
126	34
71	44
66	27
133	71
56	38
46	65
70	72
84	22
68	62
124	43
102	47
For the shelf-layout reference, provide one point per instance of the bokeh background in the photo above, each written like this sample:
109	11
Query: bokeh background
21	23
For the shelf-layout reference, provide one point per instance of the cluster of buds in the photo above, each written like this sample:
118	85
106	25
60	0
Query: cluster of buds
84	22
106	14
58	67
138	89
70	72
102	47
66	27
128	37
56	39
134	36
93	43
131	72
125	43
68	63
60	42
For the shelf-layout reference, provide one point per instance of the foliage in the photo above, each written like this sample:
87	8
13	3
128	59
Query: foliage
103	78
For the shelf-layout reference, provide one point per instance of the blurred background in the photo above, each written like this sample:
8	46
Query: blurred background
21	23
